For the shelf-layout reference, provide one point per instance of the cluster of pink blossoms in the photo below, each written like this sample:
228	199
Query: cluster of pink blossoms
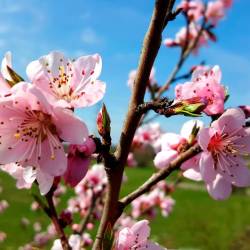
194	10
135	237
147	204
37	118
147	138
206	84
221	164
132	75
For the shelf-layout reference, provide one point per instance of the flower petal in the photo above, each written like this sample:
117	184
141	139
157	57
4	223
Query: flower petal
45	182
141	230
208	172
188	126
163	158
53	163
70	128
204	137
219	189
76	170
230	121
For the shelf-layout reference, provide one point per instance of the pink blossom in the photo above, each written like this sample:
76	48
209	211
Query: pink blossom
193	8
147	203
246	110
205	84
172	144
227	3
4	75
75	242
37	227
135	237
193	31
166	206
224	144
148	134
3	205
17	172
131	161
95	178
215	11
3	236
132	75
71	84
78	161
31	131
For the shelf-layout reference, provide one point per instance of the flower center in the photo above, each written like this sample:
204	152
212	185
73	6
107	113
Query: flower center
34	129
225	148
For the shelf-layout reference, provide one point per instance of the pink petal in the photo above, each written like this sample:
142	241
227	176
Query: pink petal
241	176
9	151
219	189
163	158
230	121
70	128
7	61
170	141
93	92
208	172
45	182
29	174
76	170
87	68
152	246
125	238
204	137
4	86
188	126
192	174
54	165
141	230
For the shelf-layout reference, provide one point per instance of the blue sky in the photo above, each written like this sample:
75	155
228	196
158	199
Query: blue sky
115	29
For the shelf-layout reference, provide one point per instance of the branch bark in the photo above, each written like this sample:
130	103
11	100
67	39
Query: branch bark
54	217
161	175
151	45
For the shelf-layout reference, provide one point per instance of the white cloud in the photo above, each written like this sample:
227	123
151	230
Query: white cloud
89	36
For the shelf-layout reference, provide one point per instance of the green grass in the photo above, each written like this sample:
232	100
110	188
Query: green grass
197	221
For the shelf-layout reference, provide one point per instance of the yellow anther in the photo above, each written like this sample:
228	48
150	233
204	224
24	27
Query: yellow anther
52	157
17	135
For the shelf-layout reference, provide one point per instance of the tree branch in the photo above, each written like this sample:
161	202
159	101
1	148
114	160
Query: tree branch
151	45
161	175
185	52
54	217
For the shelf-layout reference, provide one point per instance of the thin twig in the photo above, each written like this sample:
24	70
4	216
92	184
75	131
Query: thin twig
161	175
54	217
185	53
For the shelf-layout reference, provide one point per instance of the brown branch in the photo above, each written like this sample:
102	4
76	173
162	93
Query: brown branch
185	53
54	217
160	104
161	175
151	45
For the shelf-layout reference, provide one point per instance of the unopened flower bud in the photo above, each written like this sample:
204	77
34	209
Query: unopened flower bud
189	107
103	122
7	71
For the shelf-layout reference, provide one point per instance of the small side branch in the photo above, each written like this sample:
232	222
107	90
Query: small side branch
163	103
54	217
161	175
